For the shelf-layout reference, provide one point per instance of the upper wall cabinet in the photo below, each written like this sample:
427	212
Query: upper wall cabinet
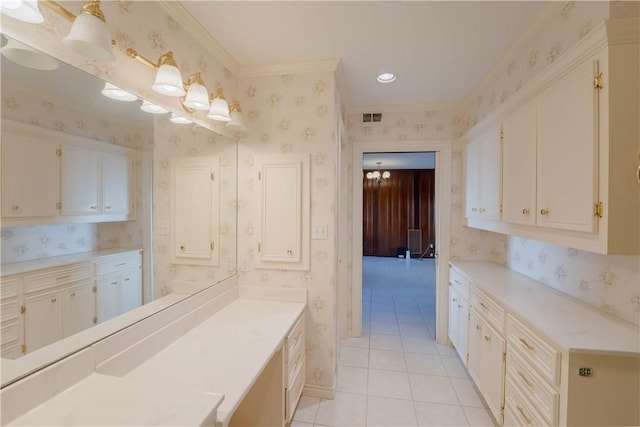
49	177
570	147
195	210
284	220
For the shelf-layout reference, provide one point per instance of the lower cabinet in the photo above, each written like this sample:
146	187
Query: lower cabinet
43	319
458	322
294	351
119	283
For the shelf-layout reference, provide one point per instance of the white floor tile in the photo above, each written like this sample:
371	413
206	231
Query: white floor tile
419	345
295	423
385	412
436	414
383	316
410	318
386	342
413	330
345	409
307	409
380	327
360	342
387	360
454	367
466	392
432	388
429	364
446	350
352	380
354	356
478	417
389	384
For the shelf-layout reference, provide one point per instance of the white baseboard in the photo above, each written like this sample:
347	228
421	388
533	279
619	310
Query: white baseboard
320	391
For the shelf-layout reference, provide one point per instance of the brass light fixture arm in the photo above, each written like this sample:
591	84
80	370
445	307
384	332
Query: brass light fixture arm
132	53
58	9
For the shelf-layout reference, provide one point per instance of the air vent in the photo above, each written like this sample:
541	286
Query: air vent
372	118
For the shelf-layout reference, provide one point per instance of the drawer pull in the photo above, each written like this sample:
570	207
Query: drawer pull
487	338
114	282
526	344
126	279
483	305
63	277
121	264
108	207
54	299
459	305
544	212
525	379
73	294
15	207
524	416
457	281
478	327
454	299
93	207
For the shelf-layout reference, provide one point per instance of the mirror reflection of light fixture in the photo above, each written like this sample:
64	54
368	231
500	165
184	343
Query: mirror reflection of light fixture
22	10
197	97
28	57
219	108
237	119
379	175
148	107
179	119
114	92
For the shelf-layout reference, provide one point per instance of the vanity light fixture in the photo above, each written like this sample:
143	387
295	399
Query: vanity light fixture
237	118
28	57
179	119
168	77
22	10
148	107
219	108
197	97
386	78
114	92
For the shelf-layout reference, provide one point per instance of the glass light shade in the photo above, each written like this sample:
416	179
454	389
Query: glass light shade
376	175
197	97
219	110
169	81
27	57
89	36
148	107
22	10
179	119
386	175
237	121
114	92
369	175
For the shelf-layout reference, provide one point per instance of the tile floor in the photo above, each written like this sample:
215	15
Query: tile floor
396	374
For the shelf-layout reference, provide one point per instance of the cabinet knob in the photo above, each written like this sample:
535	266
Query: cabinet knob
454	299
93	207
54	299
108	207
474	209
459	305
289	251
478	327
482	209
114	282
182	247
73	294
15	207
525	211
487	338
544	212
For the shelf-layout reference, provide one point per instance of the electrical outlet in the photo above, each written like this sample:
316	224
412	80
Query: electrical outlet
319	231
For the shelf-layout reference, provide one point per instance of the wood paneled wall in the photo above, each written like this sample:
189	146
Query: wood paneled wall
390	208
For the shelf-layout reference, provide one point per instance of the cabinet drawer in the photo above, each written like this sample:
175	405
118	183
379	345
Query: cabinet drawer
296	335
535	351
9	310
533	386
296	358
57	277
294	391
113	264
10	331
459	282
10	287
488	309
11	351
518	411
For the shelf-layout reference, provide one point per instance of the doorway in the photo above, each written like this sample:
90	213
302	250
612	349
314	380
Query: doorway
442	150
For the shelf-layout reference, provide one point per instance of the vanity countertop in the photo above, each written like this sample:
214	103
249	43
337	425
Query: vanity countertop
59	261
573	325
112	401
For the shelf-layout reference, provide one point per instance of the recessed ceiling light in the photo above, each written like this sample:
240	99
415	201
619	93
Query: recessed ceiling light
386	78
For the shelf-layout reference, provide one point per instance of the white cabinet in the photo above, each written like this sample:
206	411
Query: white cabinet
117	180
30	185
284	221
294	367
80	172
482	157
119	285
459	314
43	319
11	322
195	210
79	312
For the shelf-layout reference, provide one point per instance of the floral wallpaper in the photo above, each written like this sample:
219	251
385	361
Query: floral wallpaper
294	113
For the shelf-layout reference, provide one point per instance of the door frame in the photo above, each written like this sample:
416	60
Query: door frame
442	149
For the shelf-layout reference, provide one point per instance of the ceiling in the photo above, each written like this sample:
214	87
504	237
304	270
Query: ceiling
420	160
440	50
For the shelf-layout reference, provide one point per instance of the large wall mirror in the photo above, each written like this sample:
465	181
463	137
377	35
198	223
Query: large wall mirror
148	161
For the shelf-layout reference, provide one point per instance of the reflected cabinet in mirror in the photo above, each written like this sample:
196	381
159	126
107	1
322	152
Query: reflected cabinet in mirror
109	212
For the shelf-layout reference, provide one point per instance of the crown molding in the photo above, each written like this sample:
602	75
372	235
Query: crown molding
329	65
409	108
550	11
187	22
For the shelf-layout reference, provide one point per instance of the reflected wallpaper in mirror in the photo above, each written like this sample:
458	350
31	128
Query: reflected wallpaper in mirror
69	101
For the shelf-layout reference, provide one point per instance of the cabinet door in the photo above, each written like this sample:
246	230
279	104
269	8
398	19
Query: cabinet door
463	329
130	290
195	210
30	185
493	366
43	319
474	349
473	178
79	308
567	152
454	317
519	165
79	180
284	221
116	183
108	297
491	174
